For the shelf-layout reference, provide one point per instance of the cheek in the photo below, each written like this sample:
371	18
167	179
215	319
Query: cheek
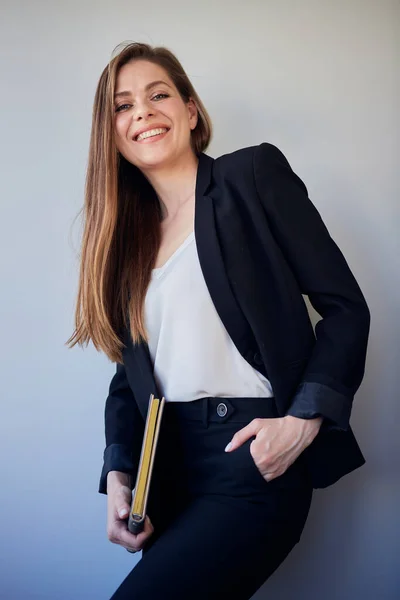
121	129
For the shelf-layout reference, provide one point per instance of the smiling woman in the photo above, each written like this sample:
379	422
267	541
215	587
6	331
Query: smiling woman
192	277
128	206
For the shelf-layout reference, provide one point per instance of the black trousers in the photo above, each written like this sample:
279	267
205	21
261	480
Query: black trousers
220	529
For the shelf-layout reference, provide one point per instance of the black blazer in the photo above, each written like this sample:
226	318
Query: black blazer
261	245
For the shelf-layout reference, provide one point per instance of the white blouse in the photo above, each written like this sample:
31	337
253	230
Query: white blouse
193	355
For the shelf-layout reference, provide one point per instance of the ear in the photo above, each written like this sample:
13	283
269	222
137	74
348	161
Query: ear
193	113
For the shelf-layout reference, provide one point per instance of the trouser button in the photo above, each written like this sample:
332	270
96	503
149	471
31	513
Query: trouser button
222	409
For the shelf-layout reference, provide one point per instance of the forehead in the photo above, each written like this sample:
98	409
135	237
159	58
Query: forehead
137	74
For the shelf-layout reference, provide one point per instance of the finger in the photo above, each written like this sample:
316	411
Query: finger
277	472
244	434
272	475
135	541
120	534
123	499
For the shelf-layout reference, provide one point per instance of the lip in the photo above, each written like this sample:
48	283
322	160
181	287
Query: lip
155	126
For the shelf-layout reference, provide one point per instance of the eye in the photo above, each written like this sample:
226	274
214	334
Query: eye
118	109
120	106
165	96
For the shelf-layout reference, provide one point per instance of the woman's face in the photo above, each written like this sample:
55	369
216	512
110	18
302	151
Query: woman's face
145	105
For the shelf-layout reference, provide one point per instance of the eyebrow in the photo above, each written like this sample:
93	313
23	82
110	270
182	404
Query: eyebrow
147	87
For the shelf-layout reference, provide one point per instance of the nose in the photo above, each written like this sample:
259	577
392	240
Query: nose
142	110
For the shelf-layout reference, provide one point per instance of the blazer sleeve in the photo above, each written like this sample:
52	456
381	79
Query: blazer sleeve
124	429
336	367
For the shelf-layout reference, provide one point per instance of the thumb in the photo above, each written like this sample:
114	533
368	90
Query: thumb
242	435
123	503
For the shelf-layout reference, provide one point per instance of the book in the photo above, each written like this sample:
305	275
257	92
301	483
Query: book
140	493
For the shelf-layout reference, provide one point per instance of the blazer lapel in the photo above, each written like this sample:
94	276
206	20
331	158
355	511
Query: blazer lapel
212	261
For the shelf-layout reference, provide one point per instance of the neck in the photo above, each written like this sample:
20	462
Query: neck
174	183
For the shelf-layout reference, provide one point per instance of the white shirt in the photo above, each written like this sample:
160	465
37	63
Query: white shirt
193	355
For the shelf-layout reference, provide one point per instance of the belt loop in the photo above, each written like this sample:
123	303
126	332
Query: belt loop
205	412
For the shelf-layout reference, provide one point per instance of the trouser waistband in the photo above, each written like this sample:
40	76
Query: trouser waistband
220	409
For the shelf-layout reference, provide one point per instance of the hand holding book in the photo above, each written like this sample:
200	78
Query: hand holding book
119	498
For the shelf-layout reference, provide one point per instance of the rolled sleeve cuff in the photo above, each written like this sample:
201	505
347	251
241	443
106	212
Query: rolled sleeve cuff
116	458
317	400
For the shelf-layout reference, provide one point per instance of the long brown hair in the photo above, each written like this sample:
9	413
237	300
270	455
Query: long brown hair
122	216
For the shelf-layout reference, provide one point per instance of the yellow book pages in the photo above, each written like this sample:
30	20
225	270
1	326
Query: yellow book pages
147	456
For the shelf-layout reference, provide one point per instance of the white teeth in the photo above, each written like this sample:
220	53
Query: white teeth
150	133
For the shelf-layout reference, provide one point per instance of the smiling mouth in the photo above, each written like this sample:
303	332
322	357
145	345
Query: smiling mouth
151	137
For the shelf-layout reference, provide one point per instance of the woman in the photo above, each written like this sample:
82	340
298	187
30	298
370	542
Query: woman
192	275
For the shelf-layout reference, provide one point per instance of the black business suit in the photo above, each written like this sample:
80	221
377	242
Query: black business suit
261	245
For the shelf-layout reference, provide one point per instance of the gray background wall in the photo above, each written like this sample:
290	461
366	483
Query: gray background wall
317	78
